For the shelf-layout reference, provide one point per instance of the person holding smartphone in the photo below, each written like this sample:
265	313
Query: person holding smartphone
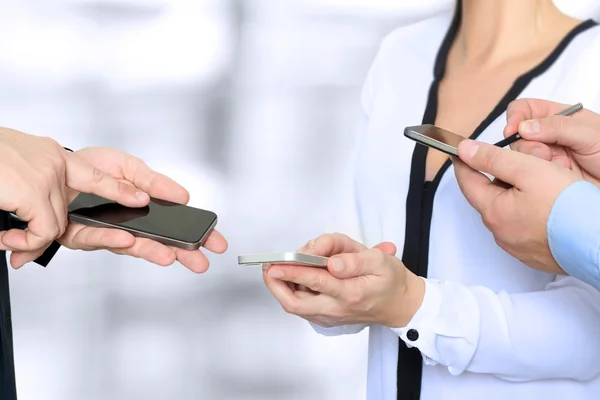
550	218
38	180
450	314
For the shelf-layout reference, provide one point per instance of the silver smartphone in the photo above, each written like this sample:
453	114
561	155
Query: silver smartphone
284	258
435	137
168	223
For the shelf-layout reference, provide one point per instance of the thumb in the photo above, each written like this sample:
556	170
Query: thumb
351	265
85	178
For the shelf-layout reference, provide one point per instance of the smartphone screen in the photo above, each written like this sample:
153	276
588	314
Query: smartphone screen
435	137
167	222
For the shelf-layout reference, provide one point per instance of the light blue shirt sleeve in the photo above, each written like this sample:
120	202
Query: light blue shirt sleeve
574	232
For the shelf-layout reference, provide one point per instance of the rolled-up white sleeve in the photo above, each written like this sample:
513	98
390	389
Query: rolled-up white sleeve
551	334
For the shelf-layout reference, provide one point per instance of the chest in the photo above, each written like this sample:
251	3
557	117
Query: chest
465	99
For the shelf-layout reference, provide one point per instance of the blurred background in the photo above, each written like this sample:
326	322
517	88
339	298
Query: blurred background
247	103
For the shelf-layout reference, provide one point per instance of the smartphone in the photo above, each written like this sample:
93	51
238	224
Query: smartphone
284	258
435	137
168	223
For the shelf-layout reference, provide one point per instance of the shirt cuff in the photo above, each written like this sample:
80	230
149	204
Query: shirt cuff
573	230
420	331
446	327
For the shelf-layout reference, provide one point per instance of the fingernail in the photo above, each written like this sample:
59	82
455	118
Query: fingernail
531	127
141	195
470	148
338	265
265	267
275	273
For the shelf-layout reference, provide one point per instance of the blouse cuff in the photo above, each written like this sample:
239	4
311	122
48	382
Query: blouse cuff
420	331
445	328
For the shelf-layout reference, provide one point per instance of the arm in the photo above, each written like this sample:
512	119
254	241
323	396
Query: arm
574	232
517	337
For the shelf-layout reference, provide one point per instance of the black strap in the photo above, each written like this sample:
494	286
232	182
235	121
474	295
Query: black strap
8	389
419	202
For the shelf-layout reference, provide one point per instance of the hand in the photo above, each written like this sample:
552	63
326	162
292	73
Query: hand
135	174
517	216
360	285
570	141
35	173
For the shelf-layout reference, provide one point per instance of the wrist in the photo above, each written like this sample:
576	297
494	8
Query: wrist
410	299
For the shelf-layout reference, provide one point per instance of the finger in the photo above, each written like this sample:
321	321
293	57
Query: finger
525	109
303	294
331	244
562	161
150	251
275	285
194	260
216	243
302	305
83	177
42	228
512	167
291	285
367	262
536	149
59	205
155	184
20	258
476	187
80	237
576	132
316	279
387	247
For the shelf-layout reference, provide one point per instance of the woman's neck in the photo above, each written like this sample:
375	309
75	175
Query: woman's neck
493	31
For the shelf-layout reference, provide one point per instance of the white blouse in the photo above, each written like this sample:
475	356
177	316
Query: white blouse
489	326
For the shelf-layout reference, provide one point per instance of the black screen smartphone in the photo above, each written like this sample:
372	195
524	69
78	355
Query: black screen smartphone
435	137
165	222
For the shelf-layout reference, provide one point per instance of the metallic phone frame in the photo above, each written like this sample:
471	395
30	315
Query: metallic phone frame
411	133
283	258
137	233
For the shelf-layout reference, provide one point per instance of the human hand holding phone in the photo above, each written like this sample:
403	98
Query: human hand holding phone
132	172
360	286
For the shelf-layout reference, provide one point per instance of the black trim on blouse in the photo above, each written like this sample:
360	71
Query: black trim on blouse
421	194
